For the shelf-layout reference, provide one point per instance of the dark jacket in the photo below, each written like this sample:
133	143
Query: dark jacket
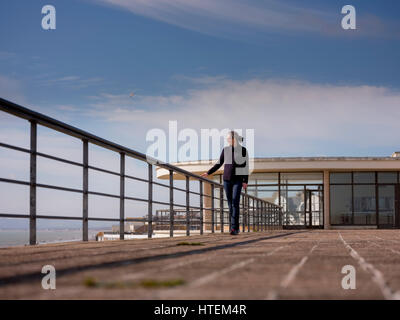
238	169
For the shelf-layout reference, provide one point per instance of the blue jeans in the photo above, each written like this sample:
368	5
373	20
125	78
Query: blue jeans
232	191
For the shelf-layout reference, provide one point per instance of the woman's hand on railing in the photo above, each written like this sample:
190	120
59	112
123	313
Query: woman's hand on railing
244	185
204	175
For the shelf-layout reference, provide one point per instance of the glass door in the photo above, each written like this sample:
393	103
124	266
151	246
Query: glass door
388	205
397	208
313	213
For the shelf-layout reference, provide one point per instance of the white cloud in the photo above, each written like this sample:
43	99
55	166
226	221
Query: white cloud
289	117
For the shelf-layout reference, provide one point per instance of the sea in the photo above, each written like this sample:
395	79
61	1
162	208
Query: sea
10	238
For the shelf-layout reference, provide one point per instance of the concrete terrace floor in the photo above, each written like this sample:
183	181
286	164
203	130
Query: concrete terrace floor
295	264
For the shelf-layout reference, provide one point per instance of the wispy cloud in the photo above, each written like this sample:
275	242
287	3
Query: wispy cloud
71	81
236	18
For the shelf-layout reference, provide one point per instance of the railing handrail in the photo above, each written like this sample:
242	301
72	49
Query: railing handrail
46	121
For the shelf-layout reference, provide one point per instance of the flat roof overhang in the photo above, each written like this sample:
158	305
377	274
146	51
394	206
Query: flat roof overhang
295	164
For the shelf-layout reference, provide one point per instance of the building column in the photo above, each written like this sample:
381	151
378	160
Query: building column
326	200
207	206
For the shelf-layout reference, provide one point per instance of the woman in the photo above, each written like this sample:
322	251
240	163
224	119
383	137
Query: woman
236	175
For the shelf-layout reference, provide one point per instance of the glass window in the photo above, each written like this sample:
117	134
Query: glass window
387	177
301	177
386	205
292	202
269	195
264	178
341	204
364	177
340	177
364	204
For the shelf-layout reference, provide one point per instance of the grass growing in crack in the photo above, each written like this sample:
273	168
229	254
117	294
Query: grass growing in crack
161	284
91	282
190	244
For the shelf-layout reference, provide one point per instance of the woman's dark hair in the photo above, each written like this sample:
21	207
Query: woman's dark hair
236	136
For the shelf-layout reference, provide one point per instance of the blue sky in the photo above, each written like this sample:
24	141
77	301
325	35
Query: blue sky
288	64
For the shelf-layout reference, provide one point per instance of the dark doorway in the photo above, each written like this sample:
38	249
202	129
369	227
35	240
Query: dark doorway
313	213
389	206
302	206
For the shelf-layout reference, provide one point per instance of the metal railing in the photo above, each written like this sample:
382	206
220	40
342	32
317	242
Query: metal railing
256	214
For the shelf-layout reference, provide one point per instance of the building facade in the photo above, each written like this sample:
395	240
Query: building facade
324	192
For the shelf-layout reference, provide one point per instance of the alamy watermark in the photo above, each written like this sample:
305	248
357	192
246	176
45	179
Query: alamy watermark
190	145
49	280
49	20
349	20
349	280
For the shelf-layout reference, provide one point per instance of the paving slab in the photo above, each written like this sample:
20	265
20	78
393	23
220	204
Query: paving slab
280	264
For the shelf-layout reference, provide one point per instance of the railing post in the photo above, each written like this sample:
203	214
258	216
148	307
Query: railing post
265	216
251	216
269	216
262	215
122	198
254	214
212	208
150	202
221	208
248	212
273	217
85	202
171	203
187	207
258	215
32	188
201	207
243	212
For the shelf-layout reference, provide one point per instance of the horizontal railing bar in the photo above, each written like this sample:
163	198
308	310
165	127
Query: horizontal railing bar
9	146
90	192
94	168
96	193
161	184
10	215
136	178
45	216
14	181
104	171
41	154
160	221
14	215
176	188
136	199
44	155
48	186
